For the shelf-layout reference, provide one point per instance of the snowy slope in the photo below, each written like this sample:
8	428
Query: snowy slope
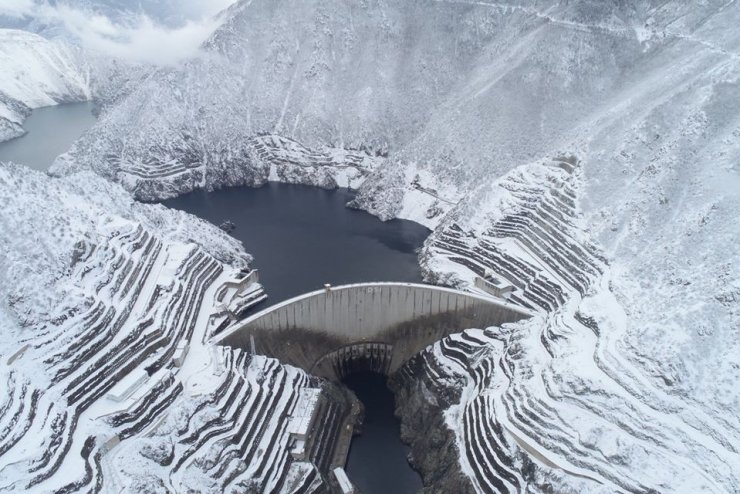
106	306
615	386
586	152
37	72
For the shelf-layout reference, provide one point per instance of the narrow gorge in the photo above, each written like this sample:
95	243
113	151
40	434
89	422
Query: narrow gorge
374	246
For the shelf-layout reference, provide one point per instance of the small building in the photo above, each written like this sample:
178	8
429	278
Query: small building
345	485
302	421
18	353
126	386
108	443
181	352
494	285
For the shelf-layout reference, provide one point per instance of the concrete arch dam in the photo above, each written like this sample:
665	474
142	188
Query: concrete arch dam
366	326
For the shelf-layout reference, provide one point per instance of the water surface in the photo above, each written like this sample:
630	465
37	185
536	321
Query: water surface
51	130
377	461
302	237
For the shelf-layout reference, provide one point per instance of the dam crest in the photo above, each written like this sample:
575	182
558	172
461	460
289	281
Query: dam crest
366	326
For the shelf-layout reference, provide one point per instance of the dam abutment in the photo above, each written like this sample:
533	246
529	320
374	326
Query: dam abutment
342	332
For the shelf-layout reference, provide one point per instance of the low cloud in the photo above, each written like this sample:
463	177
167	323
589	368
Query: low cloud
135	36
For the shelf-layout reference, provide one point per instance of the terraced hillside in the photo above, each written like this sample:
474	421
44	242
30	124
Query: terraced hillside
181	166
116	344
582	153
231	435
554	402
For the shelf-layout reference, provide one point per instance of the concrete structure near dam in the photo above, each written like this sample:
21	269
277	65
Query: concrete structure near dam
368	326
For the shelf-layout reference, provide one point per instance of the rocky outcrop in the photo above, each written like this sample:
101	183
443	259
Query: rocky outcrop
15	112
421	399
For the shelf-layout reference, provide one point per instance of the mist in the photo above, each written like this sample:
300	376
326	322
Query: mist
137	35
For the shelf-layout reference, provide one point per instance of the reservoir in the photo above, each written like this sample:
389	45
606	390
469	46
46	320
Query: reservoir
302	237
50	131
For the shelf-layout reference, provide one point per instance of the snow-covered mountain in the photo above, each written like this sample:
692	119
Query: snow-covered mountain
37	72
106	309
48	17
126	293
586	153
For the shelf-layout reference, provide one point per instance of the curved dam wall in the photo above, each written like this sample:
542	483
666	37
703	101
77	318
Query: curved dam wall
368	326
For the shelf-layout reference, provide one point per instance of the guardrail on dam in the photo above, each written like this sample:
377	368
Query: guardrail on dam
370	326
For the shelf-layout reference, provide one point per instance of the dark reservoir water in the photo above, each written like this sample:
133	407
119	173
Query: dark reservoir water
377	458
302	237
50	132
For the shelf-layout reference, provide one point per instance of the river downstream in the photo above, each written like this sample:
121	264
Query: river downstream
302	237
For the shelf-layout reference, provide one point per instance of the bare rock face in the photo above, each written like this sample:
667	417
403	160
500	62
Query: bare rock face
420	404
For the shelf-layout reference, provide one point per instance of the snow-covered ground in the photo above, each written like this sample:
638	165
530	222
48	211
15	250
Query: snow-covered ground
585	152
614	386
107	308
37	72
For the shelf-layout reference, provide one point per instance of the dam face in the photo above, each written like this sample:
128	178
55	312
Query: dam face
369	326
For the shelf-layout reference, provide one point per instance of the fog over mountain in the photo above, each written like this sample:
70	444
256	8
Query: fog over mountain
161	32
584	153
